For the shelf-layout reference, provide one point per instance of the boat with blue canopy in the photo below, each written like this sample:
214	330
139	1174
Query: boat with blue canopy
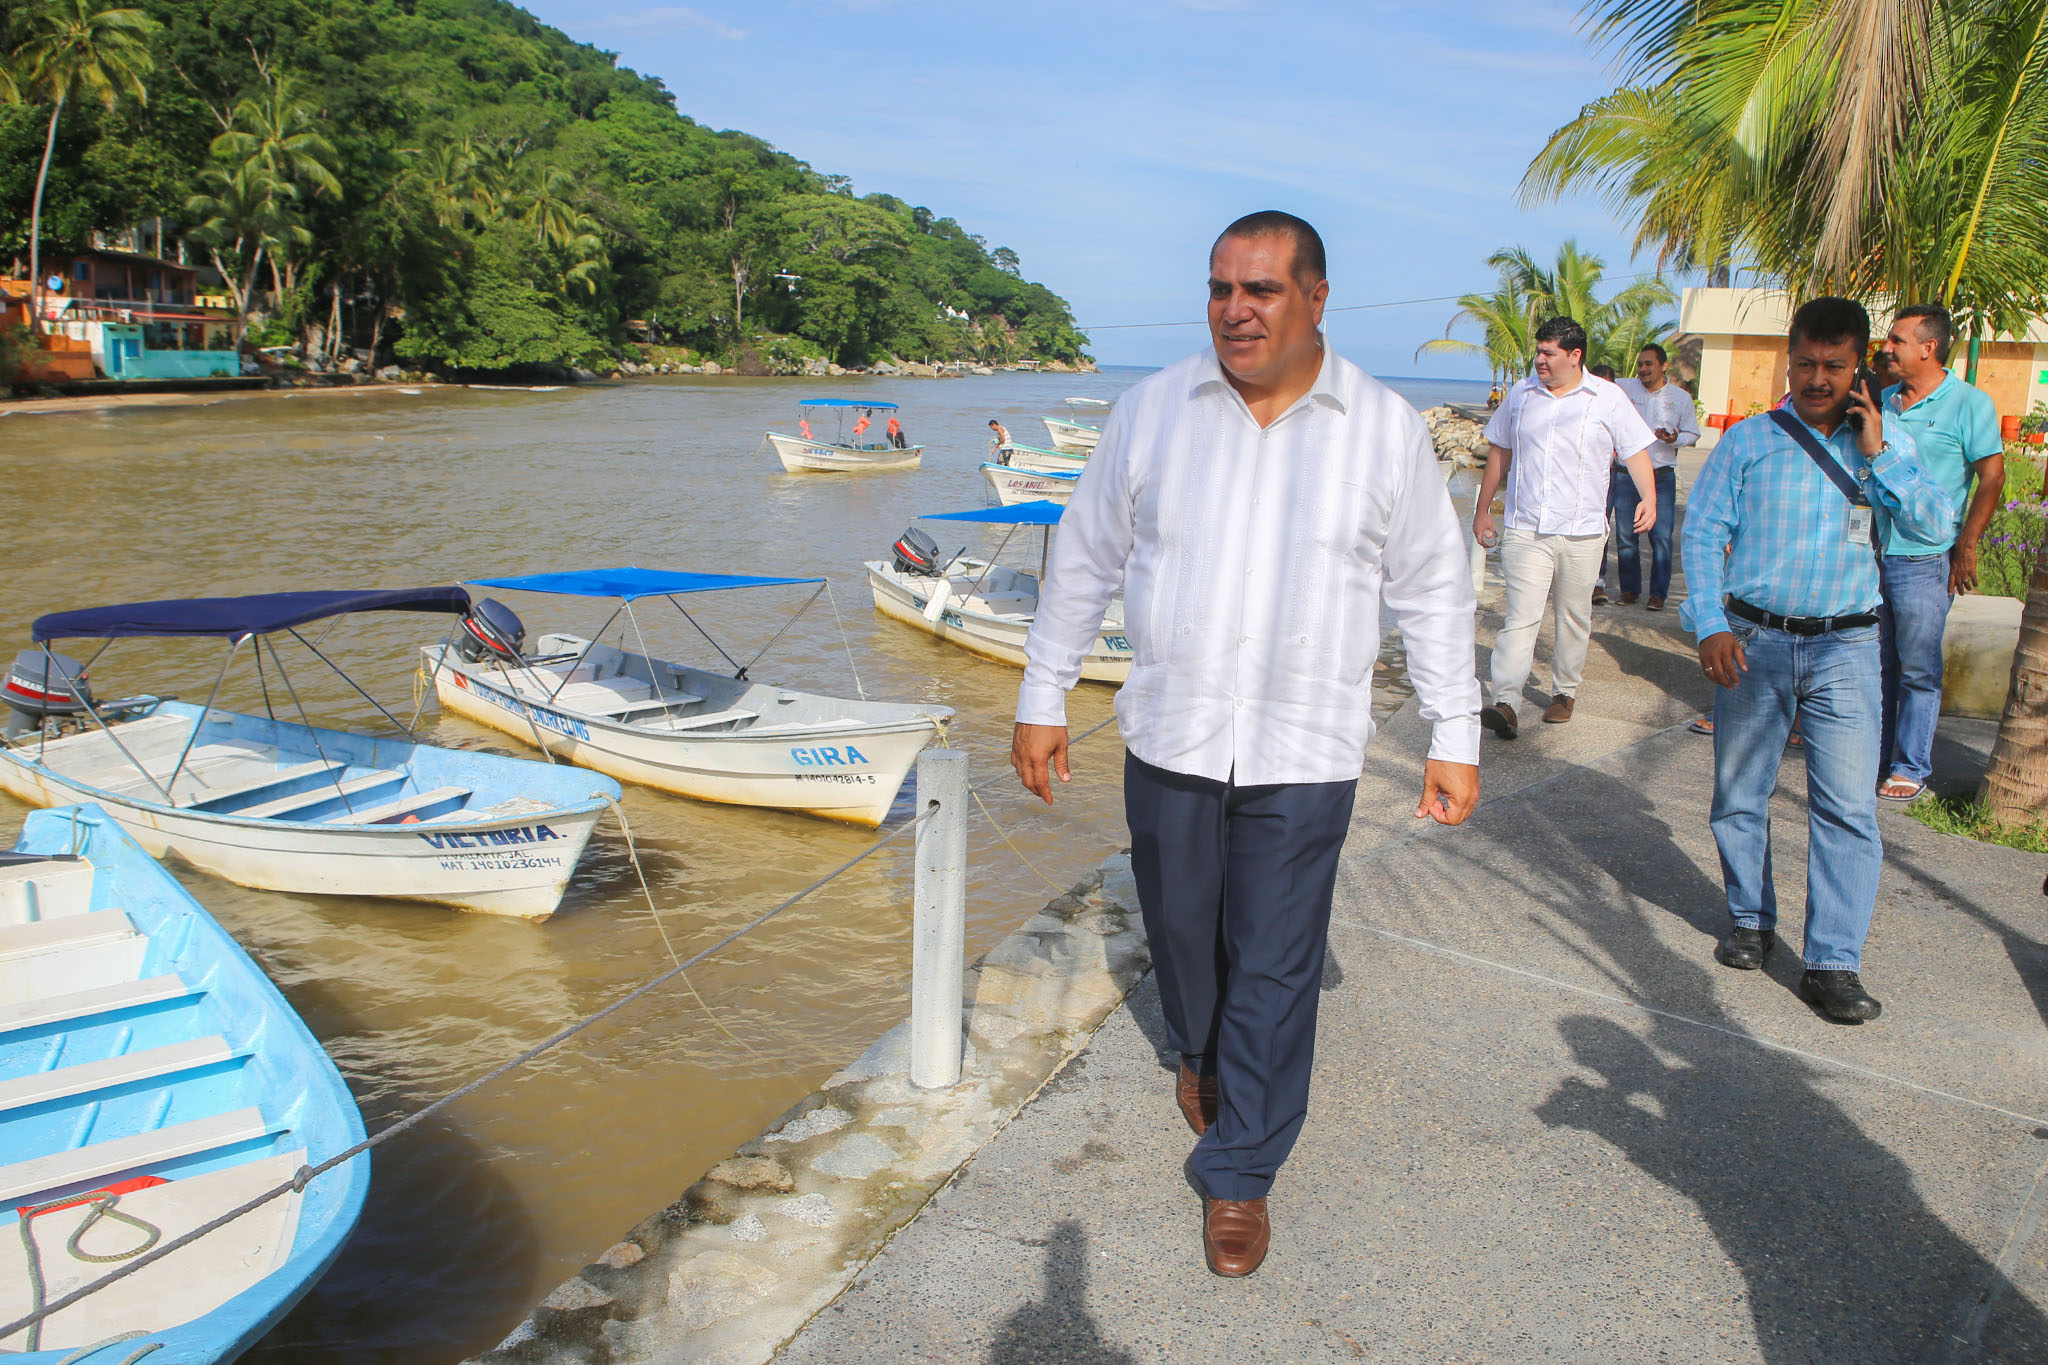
607	701
151	1080
274	801
850	448
983	606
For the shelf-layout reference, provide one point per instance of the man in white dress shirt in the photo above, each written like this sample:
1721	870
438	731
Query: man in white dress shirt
1667	410
1553	442
1256	503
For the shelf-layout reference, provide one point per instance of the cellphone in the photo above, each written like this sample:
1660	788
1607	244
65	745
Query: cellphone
1865	383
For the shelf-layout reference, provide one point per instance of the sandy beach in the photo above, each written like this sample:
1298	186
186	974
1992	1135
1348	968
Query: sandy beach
28	407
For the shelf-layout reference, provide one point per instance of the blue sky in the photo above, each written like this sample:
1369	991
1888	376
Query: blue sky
1107	143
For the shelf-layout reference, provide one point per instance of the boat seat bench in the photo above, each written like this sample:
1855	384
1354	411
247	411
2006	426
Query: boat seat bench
153	1063
289	807
22	1181
416	804
114	999
98	929
300	774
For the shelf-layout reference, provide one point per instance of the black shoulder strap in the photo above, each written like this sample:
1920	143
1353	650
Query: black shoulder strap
1818	453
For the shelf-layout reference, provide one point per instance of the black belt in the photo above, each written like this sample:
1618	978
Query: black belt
1799	625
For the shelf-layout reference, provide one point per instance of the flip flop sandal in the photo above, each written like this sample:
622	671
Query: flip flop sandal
1703	726
1884	792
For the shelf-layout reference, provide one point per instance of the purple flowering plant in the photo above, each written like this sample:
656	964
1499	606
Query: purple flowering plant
2018	531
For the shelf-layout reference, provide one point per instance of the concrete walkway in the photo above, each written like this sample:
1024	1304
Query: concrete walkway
1545	1125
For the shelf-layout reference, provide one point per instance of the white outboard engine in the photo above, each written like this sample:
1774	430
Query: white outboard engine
490	630
41	686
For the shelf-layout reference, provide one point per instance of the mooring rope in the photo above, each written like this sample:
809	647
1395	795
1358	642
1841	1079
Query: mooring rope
305	1175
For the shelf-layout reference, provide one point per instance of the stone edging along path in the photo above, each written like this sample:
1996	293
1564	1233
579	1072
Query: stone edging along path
774	1233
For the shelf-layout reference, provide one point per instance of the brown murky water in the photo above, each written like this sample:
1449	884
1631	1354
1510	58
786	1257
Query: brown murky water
472	1218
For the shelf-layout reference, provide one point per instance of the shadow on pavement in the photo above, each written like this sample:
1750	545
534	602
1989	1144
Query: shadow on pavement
1843	1259
1056	1326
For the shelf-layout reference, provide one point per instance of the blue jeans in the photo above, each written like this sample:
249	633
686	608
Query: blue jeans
1628	550
1910	622
1830	685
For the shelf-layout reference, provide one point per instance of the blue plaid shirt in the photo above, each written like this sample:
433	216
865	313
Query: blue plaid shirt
1765	525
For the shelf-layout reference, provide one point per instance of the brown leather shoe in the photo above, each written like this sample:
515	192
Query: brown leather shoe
1559	711
1234	1235
1627	599
1654	604
1500	718
1197	1096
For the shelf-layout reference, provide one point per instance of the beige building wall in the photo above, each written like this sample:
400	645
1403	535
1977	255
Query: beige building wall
1742	355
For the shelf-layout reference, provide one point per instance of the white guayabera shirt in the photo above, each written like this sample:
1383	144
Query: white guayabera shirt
1562	449
1668	409
1253	564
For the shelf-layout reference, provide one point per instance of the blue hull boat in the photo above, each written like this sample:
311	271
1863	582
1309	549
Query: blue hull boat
151	1079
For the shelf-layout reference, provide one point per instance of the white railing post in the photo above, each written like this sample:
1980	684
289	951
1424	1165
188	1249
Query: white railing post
938	933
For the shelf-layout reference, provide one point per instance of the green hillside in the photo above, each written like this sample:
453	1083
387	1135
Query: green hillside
471	184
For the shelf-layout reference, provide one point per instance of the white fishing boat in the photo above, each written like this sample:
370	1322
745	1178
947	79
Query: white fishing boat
1010	486
699	733
283	805
1078	437
152	1080
1039	460
845	452
985	607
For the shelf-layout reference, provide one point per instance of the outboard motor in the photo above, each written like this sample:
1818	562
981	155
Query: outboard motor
917	553
40	686
490	630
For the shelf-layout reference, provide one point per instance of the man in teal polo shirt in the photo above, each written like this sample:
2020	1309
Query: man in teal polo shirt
1955	430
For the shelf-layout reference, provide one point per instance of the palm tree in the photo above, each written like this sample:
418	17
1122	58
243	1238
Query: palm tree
280	137
69	46
274	141
252	218
1504	318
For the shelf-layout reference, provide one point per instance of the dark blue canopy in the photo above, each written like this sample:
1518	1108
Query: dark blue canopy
847	403
1020	514
238	617
631	584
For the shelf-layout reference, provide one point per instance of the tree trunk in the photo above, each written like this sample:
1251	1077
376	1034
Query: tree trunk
2015	786
248	289
739	292
35	226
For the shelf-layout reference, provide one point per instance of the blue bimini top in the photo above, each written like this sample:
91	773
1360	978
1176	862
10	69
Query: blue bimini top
238	617
869	403
631	584
1041	513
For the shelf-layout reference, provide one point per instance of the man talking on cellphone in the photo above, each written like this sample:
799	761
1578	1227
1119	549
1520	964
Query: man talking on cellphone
1787	631
1257	503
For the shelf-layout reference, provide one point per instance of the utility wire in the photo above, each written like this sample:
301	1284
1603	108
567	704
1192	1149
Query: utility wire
1349	307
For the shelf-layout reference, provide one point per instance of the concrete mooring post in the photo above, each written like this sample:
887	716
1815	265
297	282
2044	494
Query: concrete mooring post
938	933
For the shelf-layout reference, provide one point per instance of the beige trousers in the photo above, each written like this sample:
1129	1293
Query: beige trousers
1539	569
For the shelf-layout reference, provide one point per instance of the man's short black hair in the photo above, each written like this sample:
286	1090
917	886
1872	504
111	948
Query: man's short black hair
1663	356
1565	332
1605	372
1935	326
1829	320
1311	266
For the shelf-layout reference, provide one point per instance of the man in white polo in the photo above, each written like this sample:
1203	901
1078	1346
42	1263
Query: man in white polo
1552	442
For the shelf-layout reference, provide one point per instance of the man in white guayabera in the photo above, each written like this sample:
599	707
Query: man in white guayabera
1257	503
1553	442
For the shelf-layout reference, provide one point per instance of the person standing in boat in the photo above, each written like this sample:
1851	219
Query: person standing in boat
895	430
1257	502
1002	433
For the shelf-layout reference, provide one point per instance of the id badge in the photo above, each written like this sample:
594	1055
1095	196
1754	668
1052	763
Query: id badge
1859	526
